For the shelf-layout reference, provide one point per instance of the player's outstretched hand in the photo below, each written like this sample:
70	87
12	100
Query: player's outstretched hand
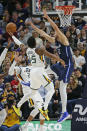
10	33
45	13
62	62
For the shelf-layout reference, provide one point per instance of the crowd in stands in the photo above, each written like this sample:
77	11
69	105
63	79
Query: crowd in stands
18	11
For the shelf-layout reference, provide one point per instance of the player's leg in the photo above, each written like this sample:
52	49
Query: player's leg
43	79
63	96
26	91
30	118
48	96
42	119
37	81
38	102
36	97
66	73
23	100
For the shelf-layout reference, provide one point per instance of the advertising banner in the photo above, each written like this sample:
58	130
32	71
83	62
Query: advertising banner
79	117
50	126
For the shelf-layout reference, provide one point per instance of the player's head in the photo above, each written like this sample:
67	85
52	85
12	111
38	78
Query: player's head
31	42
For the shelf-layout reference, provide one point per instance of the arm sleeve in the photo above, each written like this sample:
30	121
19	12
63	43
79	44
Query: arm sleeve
16	40
11	70
3	55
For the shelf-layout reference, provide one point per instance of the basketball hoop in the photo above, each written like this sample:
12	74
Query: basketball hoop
65	14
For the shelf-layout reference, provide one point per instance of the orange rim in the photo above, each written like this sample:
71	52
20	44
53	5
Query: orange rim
67	9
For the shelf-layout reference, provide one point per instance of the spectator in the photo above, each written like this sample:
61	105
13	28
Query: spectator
9	89
12	121
75	34
24	35
49	49
5	21
79	60
22	12
81	79
26	4
14	84
68	35
11	4
21	38
80	23
43	27
83	36
19	22
81	48
27	34
73	90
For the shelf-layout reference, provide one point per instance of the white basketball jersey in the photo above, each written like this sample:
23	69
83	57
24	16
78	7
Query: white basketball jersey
34	58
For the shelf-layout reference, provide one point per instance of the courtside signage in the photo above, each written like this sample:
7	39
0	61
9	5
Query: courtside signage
50	126
79	117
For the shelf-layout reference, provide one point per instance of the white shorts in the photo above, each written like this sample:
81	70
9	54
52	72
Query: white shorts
38	77
33	94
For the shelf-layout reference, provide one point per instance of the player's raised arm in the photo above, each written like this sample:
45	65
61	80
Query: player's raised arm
42	33
42	50
15	39
3	55
16	60
61	37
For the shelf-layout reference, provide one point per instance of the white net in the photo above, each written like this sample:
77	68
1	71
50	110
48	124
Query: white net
65	16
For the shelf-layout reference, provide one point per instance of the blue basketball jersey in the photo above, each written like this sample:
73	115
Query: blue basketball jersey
64	53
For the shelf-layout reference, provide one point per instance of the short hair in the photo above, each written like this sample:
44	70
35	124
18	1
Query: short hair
31	42
75	49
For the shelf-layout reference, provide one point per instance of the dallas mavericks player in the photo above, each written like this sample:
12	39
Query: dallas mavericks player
64	74
64	53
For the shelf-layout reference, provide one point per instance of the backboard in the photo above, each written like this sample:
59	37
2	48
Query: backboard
39	5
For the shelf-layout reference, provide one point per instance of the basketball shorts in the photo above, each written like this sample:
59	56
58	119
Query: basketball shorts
63	73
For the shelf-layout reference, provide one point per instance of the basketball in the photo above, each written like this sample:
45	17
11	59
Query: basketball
11	27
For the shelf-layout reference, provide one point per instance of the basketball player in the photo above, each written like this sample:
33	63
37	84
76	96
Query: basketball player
41	77
24	73
64	53
36	62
